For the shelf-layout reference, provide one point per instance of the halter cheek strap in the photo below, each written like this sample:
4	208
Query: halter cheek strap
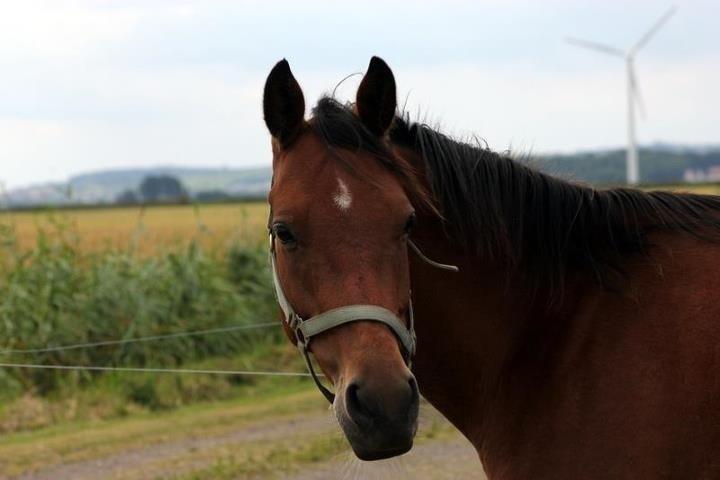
305	329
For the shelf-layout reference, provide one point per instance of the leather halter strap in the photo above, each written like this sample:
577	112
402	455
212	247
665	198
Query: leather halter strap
305	329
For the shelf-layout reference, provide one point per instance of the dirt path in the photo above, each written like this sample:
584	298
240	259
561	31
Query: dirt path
451	458
260	449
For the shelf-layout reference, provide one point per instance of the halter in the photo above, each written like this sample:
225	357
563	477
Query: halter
305	329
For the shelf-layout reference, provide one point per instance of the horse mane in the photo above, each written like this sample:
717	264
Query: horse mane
502	209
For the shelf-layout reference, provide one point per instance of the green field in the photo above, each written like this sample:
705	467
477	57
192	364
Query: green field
78	276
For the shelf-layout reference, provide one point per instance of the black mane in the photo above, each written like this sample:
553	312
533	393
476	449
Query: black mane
502	209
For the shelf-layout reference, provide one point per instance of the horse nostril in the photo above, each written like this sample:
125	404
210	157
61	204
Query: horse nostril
414	391
355	406
366	404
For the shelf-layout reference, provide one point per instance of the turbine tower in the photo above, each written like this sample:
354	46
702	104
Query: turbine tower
633	88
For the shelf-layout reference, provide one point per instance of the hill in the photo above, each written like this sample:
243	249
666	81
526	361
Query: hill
104	186
659	164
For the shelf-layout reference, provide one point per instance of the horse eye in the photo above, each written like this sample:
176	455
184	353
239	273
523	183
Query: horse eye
410	224
284	234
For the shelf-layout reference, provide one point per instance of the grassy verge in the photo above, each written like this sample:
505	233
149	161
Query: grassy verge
28	451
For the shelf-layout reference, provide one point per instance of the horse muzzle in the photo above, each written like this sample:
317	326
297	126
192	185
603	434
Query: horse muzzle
379	416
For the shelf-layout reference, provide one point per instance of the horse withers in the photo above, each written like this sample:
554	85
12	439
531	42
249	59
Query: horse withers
579	338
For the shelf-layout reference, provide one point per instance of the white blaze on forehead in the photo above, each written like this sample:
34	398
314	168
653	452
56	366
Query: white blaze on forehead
342	197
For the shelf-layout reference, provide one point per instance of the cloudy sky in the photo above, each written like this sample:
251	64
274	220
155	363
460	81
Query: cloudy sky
88	85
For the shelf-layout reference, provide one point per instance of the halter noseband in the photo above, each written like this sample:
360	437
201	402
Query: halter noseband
305	329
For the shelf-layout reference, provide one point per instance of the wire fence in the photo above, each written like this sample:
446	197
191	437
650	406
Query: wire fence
153	370
138	339
151	338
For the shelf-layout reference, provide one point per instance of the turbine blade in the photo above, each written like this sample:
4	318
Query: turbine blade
598	47
653	30
637	95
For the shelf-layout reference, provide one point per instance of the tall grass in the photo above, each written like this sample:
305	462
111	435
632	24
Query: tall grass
57	294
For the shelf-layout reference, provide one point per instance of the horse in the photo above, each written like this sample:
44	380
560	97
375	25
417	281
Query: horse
578	337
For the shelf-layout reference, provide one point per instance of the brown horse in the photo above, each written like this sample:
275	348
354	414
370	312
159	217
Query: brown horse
580	338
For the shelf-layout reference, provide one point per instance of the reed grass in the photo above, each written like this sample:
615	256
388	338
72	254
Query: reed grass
59	293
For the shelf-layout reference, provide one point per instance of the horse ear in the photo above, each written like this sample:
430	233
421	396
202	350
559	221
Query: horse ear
283	103
376	98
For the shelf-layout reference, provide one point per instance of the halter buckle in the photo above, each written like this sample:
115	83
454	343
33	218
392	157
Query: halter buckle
294	320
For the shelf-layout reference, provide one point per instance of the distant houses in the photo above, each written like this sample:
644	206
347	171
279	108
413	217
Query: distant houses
702	175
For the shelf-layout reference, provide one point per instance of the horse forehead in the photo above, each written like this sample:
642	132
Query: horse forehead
349	197
313	173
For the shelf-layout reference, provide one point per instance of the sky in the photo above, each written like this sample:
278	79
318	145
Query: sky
96	84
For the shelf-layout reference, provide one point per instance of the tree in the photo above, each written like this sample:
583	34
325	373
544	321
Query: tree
127	197
163	188
212	196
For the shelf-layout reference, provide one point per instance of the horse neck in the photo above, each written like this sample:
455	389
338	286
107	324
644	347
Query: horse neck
474	328
478	333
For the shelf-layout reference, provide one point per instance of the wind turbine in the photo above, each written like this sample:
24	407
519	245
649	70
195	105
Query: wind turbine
633	88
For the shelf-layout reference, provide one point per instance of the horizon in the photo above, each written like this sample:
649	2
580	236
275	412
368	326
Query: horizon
190	168
102	84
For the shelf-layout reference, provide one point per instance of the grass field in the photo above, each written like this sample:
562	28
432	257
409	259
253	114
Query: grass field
75	276
145	229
